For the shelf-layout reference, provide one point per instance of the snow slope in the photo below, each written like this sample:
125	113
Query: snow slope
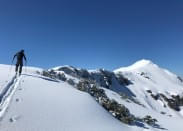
36	103
146	75
40	104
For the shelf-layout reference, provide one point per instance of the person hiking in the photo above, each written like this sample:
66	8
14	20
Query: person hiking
19	64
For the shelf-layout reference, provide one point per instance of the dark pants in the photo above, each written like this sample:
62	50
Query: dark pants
19	65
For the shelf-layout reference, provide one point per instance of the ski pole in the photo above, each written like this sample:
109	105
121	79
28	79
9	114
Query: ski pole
26	67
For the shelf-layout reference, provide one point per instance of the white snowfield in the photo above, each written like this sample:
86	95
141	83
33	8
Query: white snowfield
35	103
40	104
146	75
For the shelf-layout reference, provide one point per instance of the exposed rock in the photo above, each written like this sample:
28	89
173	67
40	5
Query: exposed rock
129	98
68	70
83	85
122	80
174	102
163	112
179	78
149	120
149	91
82	73
156	97
52	74
61	76
119	111
71	82
102	77
47	74
144	75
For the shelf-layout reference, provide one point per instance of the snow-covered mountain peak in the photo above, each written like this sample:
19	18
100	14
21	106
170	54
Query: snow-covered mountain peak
148	76
138	65
142	63
63	67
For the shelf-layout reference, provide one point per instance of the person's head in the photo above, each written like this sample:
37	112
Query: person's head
22	51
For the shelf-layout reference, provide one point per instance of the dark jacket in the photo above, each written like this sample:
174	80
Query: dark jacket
20	55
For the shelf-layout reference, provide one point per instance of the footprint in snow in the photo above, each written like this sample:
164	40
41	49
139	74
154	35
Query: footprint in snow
20	89
14	119
17	99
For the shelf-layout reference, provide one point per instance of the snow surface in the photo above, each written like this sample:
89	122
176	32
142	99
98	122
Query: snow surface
153	78
39	104
139	64
146	75
35	103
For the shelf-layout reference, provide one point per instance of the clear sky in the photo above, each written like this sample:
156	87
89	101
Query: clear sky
93	33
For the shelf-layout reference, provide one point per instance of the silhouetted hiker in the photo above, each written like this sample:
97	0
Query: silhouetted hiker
20	55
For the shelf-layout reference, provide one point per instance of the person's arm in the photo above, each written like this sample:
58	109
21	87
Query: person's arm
25	58
14	57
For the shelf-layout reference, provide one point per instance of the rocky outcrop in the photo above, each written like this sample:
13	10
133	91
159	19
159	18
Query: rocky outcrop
90	83
119	111
102	77
180	78
175	102
149	120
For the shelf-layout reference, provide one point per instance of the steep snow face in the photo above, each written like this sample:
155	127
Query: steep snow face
147	76
138	65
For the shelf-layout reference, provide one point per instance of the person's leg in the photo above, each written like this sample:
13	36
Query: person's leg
20	68
16	68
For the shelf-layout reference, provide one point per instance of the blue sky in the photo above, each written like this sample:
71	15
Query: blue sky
93	33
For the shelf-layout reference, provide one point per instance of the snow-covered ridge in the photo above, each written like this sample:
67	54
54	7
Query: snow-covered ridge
137	65
39	104
144	88
143	75
64	66
156	89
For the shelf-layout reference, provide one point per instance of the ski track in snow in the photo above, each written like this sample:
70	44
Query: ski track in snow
89	116
7	93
